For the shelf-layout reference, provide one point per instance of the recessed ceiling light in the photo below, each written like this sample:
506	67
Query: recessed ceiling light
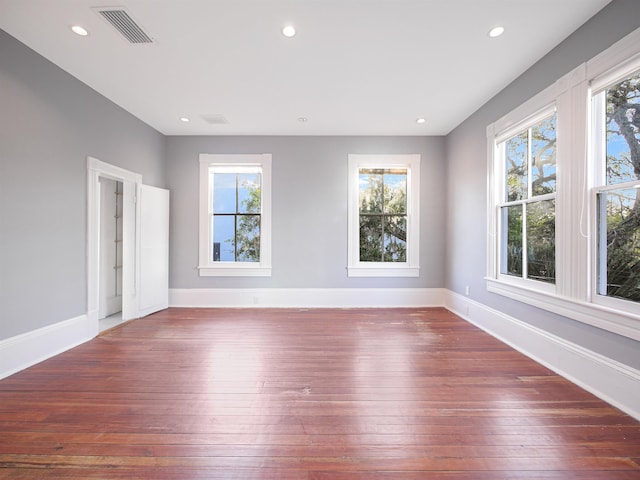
420	120
289	31
496	32
184	119
78	30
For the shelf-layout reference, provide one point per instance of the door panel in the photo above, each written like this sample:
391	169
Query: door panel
153	273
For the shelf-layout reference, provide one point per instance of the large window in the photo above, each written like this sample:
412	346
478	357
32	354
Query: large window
234	215
617	188
527	210
564	195
383	215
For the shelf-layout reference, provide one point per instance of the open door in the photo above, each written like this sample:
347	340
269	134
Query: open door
153	257
145	243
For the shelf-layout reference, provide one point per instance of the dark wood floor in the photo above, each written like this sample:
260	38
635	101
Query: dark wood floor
393	394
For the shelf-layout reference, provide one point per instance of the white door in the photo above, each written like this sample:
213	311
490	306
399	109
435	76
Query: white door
153	258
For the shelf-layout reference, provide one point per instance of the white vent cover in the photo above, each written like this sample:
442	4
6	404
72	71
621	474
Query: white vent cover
122	21
214	119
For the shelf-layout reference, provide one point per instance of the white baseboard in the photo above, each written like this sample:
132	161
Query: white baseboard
611	381
27	349
306	297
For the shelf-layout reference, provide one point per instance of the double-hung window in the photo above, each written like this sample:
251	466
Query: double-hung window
384	215
526	210
564	195
616	192
235	222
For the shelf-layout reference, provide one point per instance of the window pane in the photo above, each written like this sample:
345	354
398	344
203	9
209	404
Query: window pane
516	149
224	192
395	191
543	157
249	192
512	240
395	239
223	233
541	241
620	229
370	191
248	238
371	238
623	131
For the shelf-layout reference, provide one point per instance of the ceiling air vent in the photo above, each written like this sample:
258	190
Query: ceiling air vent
214	119
122	21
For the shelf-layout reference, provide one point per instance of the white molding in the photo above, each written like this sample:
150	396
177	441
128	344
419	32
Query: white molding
27	349
306	297
206	266
130	247
592	314
611	381
410	268
619	60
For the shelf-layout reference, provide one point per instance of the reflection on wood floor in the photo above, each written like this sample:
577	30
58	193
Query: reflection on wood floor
364	394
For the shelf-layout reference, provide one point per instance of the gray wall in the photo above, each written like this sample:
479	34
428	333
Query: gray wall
467	181
309	209
50	123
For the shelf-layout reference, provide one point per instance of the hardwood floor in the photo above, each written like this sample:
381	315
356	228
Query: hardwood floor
384	394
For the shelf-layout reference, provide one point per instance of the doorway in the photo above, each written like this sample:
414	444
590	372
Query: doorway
111	244
110	287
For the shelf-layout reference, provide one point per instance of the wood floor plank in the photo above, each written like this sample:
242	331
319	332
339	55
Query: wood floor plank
315	394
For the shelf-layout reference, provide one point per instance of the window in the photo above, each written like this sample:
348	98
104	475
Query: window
563	216
235	215
384	215
527	209
616	125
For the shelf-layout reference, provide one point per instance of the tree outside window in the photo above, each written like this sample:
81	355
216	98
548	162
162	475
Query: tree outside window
619	199
236	216
383	215
528	208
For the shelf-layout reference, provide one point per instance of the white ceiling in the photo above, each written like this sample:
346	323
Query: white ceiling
355	67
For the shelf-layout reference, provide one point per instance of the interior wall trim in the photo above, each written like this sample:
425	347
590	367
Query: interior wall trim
609	380
27	349
306	297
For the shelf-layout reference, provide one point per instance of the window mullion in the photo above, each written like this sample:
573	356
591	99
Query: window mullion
525	269
601	247
382	221
529	162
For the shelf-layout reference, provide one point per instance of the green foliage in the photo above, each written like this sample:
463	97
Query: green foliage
623	206
541	244
247	241
531	172
383	223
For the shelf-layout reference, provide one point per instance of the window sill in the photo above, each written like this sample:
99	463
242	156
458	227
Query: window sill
378	270
612	320
234	271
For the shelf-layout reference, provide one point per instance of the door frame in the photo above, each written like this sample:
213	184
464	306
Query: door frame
130	242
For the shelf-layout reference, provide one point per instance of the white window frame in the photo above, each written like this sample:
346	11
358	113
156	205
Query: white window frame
576	256
410	268
499	168
206	266
598	175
